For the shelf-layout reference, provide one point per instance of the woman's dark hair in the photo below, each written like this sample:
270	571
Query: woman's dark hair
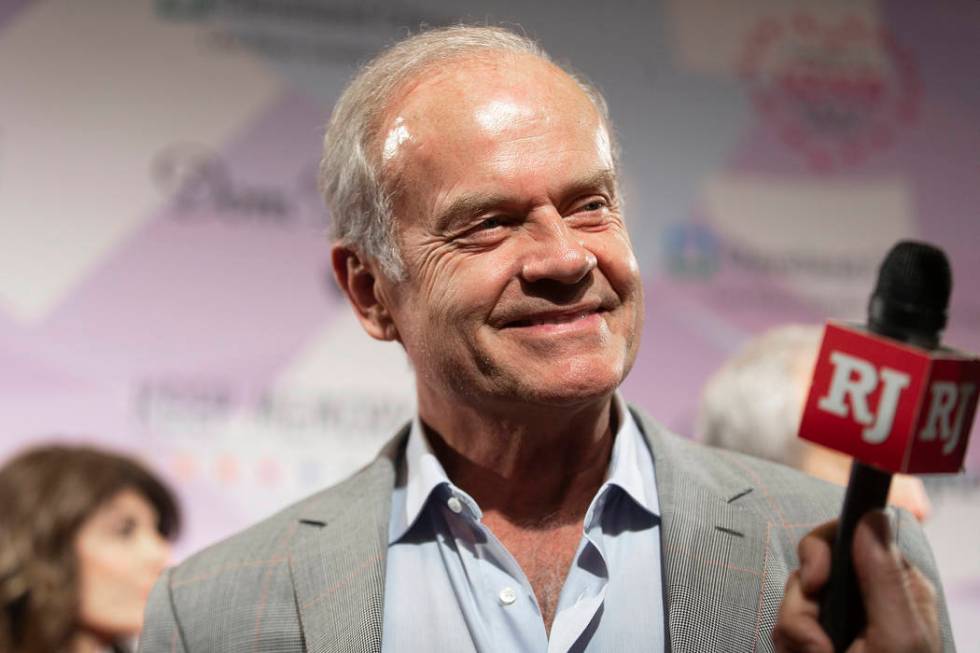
46	493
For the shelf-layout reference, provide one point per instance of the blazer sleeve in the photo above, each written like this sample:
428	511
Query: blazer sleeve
912	541
161	630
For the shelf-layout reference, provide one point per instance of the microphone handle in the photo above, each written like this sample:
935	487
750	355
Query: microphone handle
842	607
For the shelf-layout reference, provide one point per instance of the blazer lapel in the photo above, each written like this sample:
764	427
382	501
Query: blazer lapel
337	559
713	551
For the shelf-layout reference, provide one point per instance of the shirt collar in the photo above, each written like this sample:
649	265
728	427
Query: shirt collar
425	475
630	469
631	464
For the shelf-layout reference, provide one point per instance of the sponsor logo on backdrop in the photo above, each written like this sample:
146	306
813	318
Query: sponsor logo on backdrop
202	186
300	30
801	264
351	12
739	277
836	92
695	251
221	433
691	250
287	48
198	409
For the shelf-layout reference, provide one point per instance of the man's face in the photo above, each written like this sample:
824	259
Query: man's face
521	285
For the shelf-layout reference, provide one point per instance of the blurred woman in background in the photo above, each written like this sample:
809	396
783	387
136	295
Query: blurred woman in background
83	536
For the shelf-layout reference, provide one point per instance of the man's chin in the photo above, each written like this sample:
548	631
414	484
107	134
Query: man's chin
564	390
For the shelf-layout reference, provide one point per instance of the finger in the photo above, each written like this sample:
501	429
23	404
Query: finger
814	552
880	570
797	627
923	592
899	600
925	599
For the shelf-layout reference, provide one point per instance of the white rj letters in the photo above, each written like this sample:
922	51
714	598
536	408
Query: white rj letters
947	407
857	379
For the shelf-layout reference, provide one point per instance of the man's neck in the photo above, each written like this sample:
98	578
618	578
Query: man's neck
539	466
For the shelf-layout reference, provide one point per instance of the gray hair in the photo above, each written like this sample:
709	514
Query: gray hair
753	403
350	177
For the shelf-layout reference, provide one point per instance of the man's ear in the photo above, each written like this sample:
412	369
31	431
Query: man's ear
358	277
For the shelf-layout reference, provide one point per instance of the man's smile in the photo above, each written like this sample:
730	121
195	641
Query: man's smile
568	320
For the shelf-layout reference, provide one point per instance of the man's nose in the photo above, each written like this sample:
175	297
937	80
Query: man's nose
556	254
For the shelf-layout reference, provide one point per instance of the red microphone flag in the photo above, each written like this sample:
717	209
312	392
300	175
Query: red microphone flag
890	404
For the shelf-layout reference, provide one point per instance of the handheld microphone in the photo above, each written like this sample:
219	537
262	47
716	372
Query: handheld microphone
892	398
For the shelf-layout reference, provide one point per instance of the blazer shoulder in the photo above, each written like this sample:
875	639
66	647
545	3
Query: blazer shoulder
780	491
267	542
241	590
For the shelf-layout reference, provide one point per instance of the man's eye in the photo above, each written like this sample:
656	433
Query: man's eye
489	223
594	205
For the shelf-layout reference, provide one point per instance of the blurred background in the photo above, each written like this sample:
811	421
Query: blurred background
164	266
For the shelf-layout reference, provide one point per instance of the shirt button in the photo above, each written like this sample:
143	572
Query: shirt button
455	505
507	595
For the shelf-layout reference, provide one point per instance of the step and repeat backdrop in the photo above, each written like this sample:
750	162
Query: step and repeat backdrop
164	265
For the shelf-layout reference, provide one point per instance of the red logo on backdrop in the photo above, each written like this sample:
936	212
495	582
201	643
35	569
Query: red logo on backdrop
836	92
891	405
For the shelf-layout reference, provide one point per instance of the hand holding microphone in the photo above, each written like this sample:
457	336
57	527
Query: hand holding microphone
899	600
893	399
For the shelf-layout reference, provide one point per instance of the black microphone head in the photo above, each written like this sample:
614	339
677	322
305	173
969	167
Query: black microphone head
912	293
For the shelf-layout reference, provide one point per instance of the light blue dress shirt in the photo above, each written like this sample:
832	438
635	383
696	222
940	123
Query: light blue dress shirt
451	585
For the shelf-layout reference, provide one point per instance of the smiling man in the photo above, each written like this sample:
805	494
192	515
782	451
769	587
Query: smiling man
527	507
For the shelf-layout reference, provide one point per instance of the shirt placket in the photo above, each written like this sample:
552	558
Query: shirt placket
510	616
585	587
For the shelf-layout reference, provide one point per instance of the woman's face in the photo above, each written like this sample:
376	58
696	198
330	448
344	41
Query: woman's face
120	554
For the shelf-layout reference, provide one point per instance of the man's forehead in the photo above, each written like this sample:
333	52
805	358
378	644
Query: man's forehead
484	95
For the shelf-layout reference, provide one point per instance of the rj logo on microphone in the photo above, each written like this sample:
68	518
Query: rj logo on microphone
856	379
889	404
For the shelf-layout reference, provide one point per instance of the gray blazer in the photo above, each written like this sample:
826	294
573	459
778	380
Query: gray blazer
311	578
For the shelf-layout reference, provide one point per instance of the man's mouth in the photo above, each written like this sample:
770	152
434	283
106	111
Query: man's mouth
554	318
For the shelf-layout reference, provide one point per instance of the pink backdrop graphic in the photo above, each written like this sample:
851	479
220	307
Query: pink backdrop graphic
164	281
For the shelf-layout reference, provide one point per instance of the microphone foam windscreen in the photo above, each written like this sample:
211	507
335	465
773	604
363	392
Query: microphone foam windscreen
915	278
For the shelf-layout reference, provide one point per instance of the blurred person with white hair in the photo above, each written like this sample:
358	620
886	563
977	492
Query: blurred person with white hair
753	404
